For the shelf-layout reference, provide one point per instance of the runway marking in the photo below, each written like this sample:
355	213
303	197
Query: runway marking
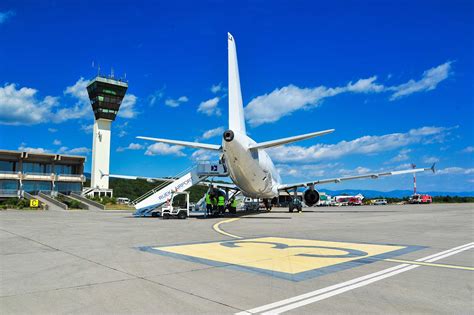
218	230
286	258
324	293
429	264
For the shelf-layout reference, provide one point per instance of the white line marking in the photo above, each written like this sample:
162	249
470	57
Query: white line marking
336	289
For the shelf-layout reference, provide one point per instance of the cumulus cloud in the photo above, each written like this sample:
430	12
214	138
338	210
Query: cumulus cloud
4	16
209	107
52	130
401	156
164	149
430	79
176	102
156	96
127	108
456	170
87	128
362	145
357	171
270	107
131	146
216	88
430	159
469	149
205	155
57	142
212	133
305	170
22	106
61	150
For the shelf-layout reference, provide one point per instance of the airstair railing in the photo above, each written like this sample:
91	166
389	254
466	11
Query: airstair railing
162	185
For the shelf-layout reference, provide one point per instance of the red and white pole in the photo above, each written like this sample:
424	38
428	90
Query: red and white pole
414	179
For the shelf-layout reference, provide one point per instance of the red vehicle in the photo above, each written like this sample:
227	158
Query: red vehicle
355	201
420	199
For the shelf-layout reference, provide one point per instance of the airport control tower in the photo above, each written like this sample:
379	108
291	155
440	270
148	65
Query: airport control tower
106	95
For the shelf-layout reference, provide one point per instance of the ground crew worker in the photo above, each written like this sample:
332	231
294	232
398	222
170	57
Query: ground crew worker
208	203
221	204
214	203
233	205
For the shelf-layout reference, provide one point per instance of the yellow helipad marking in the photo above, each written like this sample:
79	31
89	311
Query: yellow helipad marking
282	255
218	230
428	264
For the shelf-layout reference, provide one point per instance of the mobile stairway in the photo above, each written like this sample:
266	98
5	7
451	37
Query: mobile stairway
156	197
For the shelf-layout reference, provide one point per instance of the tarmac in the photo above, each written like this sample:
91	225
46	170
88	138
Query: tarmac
367	259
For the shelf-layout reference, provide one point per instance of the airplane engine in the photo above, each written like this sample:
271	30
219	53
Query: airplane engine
311	197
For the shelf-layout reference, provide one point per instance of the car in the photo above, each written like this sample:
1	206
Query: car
380	202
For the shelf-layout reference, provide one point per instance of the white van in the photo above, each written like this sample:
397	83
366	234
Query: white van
123	201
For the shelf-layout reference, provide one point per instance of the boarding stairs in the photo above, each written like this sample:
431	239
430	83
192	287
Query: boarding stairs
156	197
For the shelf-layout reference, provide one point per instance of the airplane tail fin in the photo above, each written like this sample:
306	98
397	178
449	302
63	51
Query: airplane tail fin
236	108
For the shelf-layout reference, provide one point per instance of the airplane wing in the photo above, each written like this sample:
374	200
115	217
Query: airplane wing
278	142
195	145
340	179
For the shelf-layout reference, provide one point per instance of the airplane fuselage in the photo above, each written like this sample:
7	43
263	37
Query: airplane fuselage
252	170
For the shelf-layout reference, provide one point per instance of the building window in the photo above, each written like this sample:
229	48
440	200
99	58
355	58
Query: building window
43	168
8	185
67	188
34	187
63	169
7	166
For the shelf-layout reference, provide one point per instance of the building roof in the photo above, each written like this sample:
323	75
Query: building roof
108	80
42	156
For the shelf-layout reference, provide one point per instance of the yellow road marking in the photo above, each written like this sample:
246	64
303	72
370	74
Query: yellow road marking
218	230
428	264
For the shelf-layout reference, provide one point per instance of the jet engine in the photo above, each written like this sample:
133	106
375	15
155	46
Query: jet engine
311	197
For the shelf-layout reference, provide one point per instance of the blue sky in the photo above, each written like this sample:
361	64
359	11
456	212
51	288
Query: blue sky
394	79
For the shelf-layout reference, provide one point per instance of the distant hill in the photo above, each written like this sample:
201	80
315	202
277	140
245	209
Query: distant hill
394	193
134	188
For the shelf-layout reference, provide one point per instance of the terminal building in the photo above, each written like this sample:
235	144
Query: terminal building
34	172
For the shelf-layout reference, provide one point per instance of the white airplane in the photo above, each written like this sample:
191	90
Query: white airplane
250	167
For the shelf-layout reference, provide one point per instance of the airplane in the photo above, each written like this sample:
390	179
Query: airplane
250	167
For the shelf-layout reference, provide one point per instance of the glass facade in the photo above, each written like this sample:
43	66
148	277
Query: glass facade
64	169
8	184
66	188
35	186
29	167
7	166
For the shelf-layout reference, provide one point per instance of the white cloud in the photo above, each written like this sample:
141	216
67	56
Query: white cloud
205	155
209	107
469	149
87	128
362	145
430	159
24	148
357	171
57	142
164	149
21	107
52	130
127	108
156	96
4	16
402	156
428	82
456	170
61	150
131	146
212	133
270	107
80	150
311	171
215	88
175	103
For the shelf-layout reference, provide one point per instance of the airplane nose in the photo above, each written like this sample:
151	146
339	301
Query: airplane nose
228	135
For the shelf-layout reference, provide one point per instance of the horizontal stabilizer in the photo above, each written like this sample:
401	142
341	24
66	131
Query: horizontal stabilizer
278	142
195	145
